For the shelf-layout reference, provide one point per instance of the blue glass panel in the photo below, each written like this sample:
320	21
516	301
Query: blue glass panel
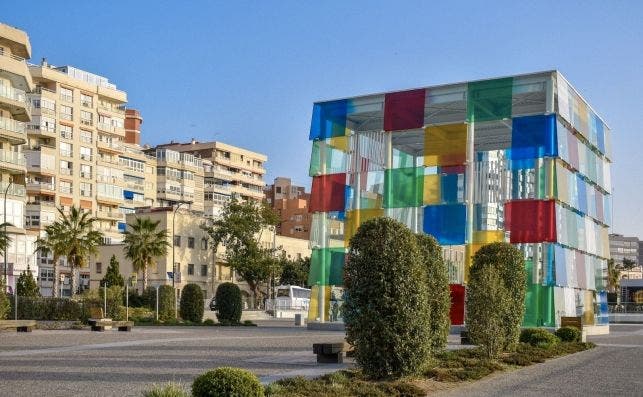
600	134
549	265
128	195
449	188
533	137
582	194
446	223
329	119
561	266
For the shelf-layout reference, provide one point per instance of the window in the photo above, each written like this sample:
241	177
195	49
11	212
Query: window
85	153
66	132
177	241
86	171
66	149
85	189
204	270
66	112
66	94
46	274
86	136
65	187
66	167
99	267
86	100
190	242
190	269
86	118
204	243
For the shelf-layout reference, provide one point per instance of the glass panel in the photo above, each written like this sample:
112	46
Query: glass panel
404	110
404	187
445	145
446	223
489	100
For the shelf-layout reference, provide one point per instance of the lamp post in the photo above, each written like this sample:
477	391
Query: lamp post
179	204
6	247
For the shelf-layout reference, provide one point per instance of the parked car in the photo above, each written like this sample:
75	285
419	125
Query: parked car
213	304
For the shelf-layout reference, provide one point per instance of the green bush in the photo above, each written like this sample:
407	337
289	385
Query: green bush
148	298
166	303
568	334
141	314
208	321
136	300
386	310
192	303
227	381
113	275
51	309
495	297
169	390
95	298
228	298
26	285
538	337
5	306
439	294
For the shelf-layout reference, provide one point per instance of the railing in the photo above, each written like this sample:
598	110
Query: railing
40	90
65	189
66	153
12	125
105	127
86	157
112	145
15	190
14	94
135	185
14	57
218	187
66	171
108	178
109	214
65	116
45	203
12	158
627	307
86	122
87	104
41	185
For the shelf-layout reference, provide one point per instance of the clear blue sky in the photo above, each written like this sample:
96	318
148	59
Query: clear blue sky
247	73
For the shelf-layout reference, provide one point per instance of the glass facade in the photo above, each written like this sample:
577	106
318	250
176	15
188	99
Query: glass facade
522	159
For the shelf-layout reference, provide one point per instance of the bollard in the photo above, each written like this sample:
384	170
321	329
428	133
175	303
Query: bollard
299	320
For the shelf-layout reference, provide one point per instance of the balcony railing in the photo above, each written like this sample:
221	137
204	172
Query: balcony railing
14	190
111	145
12	125
41	185
65	116
12	158
108	178
14	94
105	127
109	214
40	90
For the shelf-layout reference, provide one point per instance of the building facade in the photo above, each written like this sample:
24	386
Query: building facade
626	248
522	159
15	115
291	204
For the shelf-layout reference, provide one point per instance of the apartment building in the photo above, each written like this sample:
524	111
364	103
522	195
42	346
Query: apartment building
626	248
291	204
229	171
15	113
190	251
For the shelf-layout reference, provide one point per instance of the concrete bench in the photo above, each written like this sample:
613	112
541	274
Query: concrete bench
331	353
99	324
19	325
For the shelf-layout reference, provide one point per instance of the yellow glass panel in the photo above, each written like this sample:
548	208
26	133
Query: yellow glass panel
357	217
488	236
340	142
432	189
588	308
445	145
313	314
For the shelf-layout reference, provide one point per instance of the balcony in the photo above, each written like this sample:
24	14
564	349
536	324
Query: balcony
135	185
213	187
12	161
36	128
66	116
41	159
14	190
110	215
16	65
112	147
87	122
13	131
16	101
41	187
107	127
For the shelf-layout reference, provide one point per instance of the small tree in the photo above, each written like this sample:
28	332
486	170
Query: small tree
26	285
294	272
166	303
496	297
386	311
5	305
192	303
113	275
439	294
613	276
629	264
228	298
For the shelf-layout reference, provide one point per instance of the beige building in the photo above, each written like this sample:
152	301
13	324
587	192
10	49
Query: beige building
228	171
190	250
15	114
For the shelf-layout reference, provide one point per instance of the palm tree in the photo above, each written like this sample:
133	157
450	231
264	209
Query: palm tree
5	240
52	243
143	242
613	276
73	236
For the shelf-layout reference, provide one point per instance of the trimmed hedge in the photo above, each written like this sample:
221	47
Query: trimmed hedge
439	294
568	334
386	310
495	297
51	309
227	381
166	303
228	298
538	337
192	303
5	306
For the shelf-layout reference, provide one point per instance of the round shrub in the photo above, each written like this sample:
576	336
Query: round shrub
538	337
166	303
439	294
386	311
228	298
227	381
568	334
495	297
208	321
192	303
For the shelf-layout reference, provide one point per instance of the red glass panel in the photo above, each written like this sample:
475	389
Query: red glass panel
404	110
531	221
328	193
456	312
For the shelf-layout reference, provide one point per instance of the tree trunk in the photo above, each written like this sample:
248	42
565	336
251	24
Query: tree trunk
144	278
73	280
253	288
56	279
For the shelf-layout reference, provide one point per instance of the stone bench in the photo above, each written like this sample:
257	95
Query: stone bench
331	353
99	324
19	325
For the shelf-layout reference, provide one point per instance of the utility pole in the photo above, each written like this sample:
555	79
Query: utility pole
6	247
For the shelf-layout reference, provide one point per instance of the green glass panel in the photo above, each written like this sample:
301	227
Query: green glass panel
404	187
539	306
489	100
326	266
532	312
336	160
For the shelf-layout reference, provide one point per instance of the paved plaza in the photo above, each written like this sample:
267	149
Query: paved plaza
64	363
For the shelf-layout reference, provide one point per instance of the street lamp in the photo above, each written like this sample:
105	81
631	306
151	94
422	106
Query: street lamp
179	204
6	247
